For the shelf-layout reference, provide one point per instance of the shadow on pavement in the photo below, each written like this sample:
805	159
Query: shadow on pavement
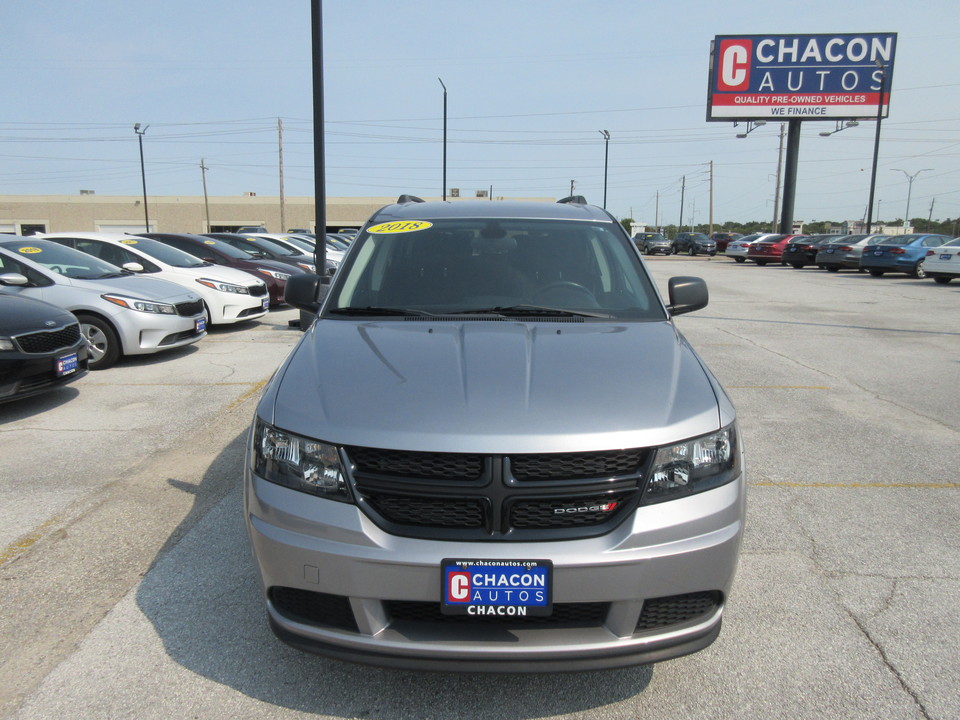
203	598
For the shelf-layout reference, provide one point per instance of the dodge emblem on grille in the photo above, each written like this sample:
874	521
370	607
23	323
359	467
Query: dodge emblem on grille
604	507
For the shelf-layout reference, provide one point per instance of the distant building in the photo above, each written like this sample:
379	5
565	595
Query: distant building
87	211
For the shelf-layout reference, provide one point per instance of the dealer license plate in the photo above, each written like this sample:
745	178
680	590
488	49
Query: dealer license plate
201	323
878	253
67	365
497	588
266	303
946	256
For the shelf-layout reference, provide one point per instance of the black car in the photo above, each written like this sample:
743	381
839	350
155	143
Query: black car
219	252
802	251
263	248
650	243
41	347
693	243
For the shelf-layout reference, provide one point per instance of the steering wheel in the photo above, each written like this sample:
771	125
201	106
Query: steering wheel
566	285
57	269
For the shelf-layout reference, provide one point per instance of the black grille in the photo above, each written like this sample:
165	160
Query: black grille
257	290
50	340
660	612
177	337
314	608
576	465
565	513
189	309
564	614
459	496
446	466
429	512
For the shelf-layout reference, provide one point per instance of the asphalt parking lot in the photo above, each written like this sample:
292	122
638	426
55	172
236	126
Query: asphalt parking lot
128	589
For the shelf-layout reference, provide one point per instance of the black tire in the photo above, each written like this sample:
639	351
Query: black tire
919	272
797	266
942	279
104	350
876	273
833	268
675	250
761	263
692	250
740	260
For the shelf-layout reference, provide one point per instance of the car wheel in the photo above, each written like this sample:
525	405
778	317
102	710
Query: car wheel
648	251
918	271
740	259
833	268
675	249
712	254
761	263
942	279
691	251
104	345
876	273
797	266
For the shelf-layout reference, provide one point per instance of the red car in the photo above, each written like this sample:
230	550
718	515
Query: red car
724	238
770	250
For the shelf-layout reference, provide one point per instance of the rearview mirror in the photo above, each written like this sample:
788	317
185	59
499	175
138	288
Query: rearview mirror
687	294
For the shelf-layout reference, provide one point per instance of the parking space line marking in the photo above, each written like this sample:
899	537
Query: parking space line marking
919	486
777	387
252	391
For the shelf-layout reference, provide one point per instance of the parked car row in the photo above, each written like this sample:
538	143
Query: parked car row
686	242
919	255
73	302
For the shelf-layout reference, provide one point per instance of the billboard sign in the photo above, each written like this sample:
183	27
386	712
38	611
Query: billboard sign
800	77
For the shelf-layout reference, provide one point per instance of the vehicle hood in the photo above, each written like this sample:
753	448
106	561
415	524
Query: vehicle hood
19	314
213	272
493	386
146	288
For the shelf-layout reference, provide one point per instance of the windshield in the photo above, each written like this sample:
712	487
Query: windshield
164	253
504	266
63	260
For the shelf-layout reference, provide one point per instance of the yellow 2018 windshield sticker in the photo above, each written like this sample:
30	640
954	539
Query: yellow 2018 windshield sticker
128	242
30	250
400	226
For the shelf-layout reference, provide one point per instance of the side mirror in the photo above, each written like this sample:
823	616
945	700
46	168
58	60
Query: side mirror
687	294
133	267
306	291
13	279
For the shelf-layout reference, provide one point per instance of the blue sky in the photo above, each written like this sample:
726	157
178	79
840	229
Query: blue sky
530	86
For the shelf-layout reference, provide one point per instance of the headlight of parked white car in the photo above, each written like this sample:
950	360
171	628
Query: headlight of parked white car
147	306
223	286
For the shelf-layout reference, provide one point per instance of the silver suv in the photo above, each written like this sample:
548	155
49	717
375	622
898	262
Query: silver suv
493	451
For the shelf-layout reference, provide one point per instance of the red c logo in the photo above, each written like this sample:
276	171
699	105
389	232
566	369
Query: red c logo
733	73
458	587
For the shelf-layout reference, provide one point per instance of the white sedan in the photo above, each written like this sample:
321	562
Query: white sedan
738	248
943	263
229	295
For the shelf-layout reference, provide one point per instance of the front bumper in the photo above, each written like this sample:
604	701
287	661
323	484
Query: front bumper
652	589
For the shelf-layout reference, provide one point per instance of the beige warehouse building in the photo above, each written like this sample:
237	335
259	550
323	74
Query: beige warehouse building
30	214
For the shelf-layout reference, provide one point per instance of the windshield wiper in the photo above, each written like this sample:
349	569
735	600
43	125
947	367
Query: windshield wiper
372	310
528	310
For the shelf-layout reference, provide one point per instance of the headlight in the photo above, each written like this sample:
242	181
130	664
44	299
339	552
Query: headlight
297	462
275	274
309	267
147	306
693	466
223	286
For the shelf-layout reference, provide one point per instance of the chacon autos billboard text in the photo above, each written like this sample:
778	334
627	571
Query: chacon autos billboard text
800	77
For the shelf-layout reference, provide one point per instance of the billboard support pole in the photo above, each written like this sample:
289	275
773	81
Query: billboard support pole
876	149
790	176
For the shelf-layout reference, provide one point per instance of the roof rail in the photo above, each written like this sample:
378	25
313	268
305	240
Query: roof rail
408	199
574	200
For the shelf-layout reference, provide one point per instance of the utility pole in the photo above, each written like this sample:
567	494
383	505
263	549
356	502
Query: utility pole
283	208
571	188
776	194
444	180
711	197
656	211
206	201
683	190
930	216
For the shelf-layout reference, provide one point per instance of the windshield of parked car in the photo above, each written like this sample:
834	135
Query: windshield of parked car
164	253
497	267
254	245
62	260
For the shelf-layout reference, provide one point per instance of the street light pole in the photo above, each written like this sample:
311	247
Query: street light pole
910	179
143	174
444	139
606	158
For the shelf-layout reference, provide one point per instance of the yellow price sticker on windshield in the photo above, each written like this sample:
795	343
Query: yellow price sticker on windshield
128	242
400	226
30	250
